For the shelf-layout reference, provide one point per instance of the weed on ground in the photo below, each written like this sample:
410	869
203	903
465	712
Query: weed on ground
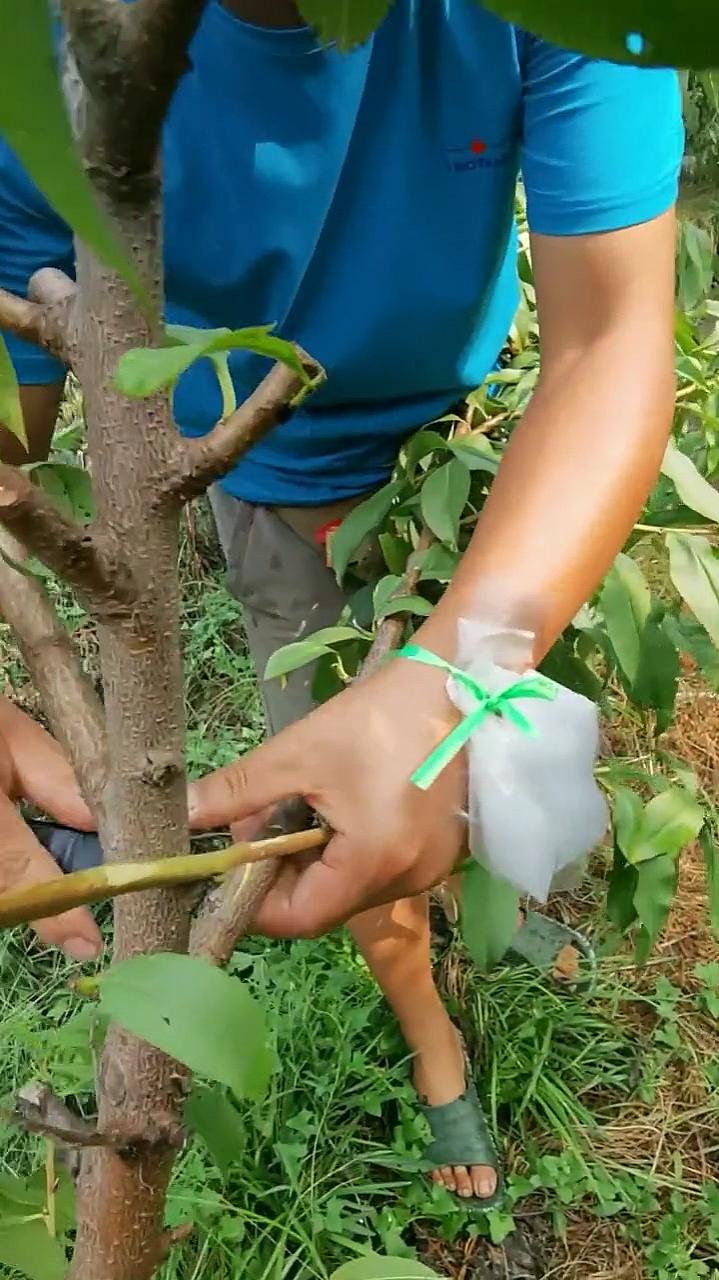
606	1108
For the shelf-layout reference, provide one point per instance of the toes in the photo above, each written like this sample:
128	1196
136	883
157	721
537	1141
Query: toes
463	1181
479	1181
484	1181
445	1176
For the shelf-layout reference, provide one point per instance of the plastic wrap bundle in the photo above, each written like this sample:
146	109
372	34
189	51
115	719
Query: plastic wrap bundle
534	805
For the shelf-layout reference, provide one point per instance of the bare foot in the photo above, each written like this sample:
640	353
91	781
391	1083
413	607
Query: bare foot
439	1078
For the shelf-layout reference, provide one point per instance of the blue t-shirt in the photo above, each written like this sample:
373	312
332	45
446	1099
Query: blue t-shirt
363	203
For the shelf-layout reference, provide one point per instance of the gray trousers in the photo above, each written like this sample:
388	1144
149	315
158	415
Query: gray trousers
279	575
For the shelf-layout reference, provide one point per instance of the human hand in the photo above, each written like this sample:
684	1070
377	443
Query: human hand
352	760
33	767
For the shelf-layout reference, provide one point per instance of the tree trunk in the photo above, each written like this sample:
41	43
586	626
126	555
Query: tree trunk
121	1191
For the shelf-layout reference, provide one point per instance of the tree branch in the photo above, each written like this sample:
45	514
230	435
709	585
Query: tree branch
228	910
72	706
201	461
99	574
44	318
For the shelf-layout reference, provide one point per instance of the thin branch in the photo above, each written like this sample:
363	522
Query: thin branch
73	708
97	571
391	629
40	1111
44	318
229	911
201	461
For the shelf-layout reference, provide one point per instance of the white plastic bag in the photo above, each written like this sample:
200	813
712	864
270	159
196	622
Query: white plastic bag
534	805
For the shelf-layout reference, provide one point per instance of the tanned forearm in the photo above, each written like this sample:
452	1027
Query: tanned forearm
574	478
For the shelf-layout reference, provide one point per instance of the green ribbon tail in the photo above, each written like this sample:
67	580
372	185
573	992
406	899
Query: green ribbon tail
425	775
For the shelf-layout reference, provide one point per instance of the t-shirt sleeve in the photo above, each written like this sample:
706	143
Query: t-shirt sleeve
31	236
602	143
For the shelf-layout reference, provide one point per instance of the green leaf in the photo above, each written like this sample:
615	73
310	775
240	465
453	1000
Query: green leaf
670	821
476	452
406	604
689	636
656	681
627	812
69	487
489	909
660	34
443	498
385	602
211	1114
141	373
653	896
396	552
383	592
421	445
28	1248
564	667
33	1195
694	491
438	563
359	524
694	570
11	415
345	23
34	121
195	1013
620	892
293	656
30	568
711	862
144	371
375	1266
625	601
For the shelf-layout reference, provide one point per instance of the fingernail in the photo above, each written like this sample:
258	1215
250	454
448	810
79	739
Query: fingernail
81	949
487	1187
465	1192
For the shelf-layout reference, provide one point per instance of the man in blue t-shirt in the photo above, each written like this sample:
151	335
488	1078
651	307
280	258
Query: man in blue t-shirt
364	204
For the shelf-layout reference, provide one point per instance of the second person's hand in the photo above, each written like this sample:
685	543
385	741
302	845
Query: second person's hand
32	767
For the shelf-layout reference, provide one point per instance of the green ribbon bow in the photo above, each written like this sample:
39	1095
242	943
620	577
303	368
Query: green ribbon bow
487	704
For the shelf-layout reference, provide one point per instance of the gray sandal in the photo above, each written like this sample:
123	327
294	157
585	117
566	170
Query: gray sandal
461	1136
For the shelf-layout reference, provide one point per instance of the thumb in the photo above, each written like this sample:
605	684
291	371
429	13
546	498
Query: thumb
243	789
24	863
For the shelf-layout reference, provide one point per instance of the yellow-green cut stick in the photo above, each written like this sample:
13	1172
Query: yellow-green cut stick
82	888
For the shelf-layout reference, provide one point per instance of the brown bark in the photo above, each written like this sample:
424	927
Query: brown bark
121	1193
203	460
42	320
95	565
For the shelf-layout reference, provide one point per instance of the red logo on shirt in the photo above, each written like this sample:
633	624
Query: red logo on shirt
478	154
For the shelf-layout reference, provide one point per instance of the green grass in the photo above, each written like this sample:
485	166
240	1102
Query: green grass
329	1162
589	1100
